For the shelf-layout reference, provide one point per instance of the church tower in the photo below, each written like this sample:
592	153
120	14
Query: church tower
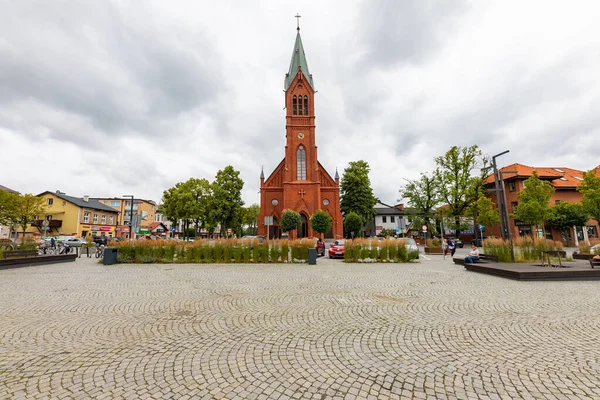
299	182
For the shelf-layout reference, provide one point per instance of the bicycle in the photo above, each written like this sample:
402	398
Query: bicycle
100	251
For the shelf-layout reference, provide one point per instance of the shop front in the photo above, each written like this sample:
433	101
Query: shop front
122	231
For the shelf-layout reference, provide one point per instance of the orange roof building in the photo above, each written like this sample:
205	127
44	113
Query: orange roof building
564	180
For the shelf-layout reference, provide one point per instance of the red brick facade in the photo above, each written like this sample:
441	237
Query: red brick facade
299	182
564	181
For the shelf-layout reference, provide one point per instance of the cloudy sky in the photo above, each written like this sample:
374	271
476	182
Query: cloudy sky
105	98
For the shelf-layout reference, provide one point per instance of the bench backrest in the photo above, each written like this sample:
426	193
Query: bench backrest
488	257
556	253
19	253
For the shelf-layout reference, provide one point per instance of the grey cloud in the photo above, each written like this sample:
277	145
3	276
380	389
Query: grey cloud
407	31
121	77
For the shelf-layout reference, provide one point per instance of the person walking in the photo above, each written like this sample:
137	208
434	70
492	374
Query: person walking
451	247
473	255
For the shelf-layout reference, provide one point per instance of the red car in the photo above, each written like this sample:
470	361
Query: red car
336	249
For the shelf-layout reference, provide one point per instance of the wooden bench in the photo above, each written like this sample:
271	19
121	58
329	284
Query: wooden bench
19	253
483	258
594	263
560	254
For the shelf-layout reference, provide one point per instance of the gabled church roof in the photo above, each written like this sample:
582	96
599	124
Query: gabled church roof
298	62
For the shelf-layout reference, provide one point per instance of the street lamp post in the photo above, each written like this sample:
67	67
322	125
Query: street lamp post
505	212
497	187
130	216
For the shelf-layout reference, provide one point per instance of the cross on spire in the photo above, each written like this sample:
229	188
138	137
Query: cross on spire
298	16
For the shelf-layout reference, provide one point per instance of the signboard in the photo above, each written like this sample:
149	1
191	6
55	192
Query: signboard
106	228
424	227
397	230
229	230
269	220
521	223
159	230
144	231
481	227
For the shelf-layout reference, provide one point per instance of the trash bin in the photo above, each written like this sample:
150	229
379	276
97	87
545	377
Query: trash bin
110	256
312	256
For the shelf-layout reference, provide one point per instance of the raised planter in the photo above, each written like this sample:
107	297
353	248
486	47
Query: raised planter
37	260
433	250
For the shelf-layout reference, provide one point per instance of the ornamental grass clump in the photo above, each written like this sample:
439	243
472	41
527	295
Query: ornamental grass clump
373	250
526	248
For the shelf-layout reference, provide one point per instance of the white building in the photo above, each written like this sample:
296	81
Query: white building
390	218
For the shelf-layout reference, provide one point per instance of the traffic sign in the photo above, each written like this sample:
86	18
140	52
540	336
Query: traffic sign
481	227
424	227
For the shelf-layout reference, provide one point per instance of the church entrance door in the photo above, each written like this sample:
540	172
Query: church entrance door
303	230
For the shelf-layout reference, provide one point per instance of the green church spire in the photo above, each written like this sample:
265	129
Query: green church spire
298	63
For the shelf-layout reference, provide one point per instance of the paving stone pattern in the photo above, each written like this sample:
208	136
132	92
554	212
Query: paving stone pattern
331	331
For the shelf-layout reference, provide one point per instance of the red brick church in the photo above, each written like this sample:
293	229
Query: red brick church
299	182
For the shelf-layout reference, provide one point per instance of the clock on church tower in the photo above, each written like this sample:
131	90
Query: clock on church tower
299	182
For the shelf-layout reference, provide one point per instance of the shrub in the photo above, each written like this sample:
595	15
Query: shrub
237	254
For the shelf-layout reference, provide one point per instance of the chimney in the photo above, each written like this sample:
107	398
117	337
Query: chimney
86	198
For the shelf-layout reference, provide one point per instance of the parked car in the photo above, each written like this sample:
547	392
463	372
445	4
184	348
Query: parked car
320	246
457	242
336	249
74	242
100	239
478	242
411	245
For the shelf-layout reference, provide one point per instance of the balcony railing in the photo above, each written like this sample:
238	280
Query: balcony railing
52	223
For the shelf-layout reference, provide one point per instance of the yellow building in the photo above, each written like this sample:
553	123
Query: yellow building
145	209
74	216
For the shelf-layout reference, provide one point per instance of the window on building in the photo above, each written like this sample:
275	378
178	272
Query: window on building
115	203
95	218
513	206
384	219
49	217
50	202
301	164
392	219
557	201
512	186
86	218
111	220
104	219
305	105
295	106
64	203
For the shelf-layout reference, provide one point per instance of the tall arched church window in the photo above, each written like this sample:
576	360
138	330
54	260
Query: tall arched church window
295	106
305	105
301	164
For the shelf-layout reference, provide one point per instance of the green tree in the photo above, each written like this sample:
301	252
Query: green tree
356	192
194	198
590	194
534	199
251	217
290	220
353	224
422	198
487	214
565	215
320	221
457	187
227	203
29	206
9	209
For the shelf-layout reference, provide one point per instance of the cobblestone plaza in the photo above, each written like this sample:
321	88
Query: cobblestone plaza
330	331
